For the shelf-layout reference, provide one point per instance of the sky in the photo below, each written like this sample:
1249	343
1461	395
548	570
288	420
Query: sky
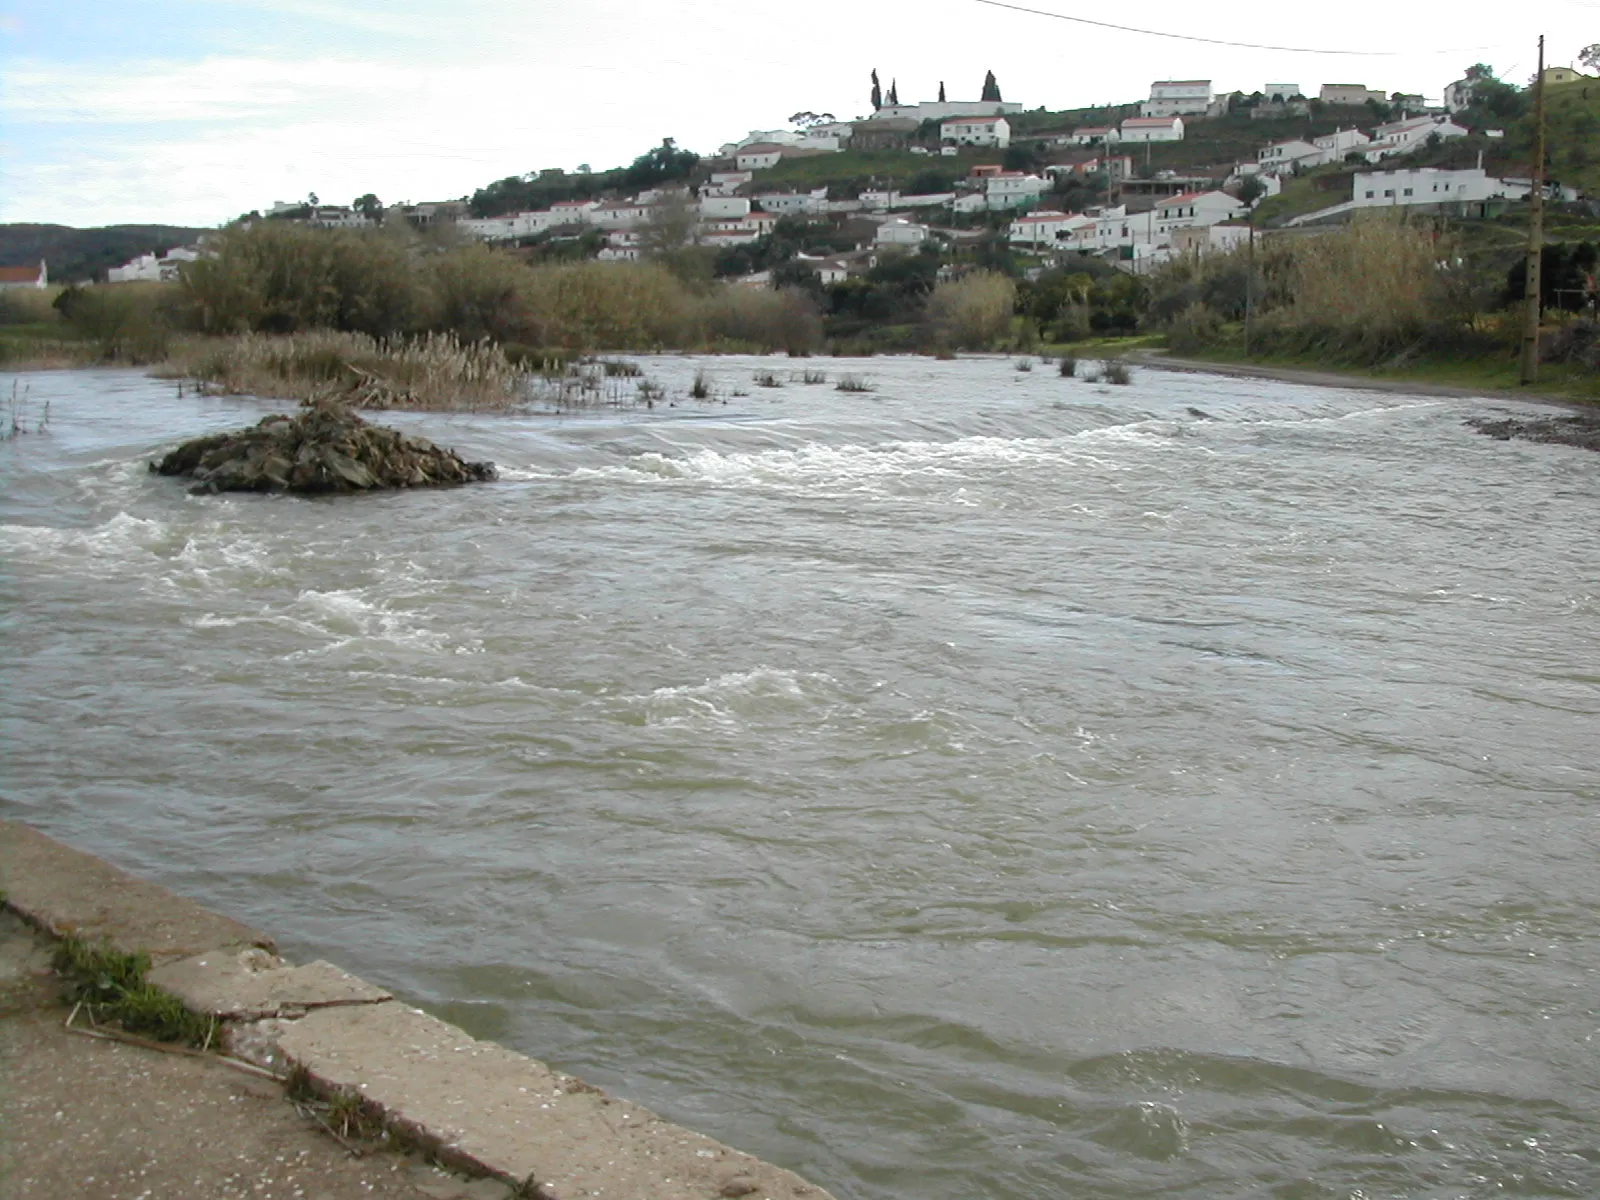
191	112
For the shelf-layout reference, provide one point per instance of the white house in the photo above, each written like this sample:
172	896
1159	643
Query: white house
888	201
1401	137
1195	208
971	202
28	277
1430	185
1280	91
1039	230
763	137
1012	189
829	270
622	245
1340	142
565	212
337	216
724	206
1095	135
1177	97
897	231
619	215
1289	155
787	203
939	110
976	131
1348	93
1209	239
758	156
153	268
725	183
1153	129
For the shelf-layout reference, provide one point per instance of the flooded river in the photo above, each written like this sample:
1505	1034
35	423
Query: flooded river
990	786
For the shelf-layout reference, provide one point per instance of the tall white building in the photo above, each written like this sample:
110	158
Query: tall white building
1177	98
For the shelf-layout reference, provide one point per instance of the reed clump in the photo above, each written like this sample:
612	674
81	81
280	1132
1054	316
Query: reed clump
434	372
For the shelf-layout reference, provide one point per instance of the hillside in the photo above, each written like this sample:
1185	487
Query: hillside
1572	137
76	255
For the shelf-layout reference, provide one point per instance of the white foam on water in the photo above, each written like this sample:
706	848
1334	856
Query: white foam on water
349	617
734	697
881	467
121	539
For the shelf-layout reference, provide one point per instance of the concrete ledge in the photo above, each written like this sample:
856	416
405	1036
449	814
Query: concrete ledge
246	985
488	1109
64	891
475	1105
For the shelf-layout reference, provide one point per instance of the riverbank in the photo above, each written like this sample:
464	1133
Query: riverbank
313	1033
1465	380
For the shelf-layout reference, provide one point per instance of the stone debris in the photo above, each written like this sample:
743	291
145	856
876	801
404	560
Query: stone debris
324	448
1580	429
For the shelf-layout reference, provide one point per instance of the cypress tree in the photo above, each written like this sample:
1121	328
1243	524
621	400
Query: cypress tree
991	89
894	92
877	92
941	91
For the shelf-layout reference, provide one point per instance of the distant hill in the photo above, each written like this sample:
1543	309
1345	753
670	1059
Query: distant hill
77	255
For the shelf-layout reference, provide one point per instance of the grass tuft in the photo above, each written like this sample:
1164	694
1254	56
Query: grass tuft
112	989
853	383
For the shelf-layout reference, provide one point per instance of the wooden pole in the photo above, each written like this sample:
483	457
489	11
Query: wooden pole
1250	284
1533	312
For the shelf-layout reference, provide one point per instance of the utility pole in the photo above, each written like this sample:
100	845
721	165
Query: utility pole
1534	282
1250	283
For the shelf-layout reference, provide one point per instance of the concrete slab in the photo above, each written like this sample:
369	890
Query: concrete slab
64	891
249	984
486	1108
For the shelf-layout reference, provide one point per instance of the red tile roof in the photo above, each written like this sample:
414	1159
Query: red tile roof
19	274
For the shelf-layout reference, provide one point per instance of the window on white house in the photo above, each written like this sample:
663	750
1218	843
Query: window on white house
1389	192
1408	191
1370	195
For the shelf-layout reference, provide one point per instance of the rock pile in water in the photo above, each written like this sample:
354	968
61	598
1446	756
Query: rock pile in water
326	448
1580	429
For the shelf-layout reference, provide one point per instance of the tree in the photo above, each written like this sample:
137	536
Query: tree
311	199
665	162
1252	189
894	93
1589	57
877	92
667	229
369	206
991	89
807	120
941	82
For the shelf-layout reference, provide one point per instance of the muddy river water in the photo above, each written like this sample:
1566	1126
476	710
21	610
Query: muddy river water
990	786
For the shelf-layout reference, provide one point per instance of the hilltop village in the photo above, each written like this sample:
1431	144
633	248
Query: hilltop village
1186	170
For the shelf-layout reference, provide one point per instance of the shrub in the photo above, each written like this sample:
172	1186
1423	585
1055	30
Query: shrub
1195	328
127	322
1068	366
973	312
1116	371
853	383
763	319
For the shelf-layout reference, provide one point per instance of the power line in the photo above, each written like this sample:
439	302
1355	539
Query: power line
1189	37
